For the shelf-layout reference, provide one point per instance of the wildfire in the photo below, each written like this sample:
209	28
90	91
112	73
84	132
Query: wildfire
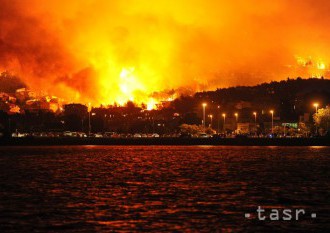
321	66
115	51
130	87
152	104
314	67
129	84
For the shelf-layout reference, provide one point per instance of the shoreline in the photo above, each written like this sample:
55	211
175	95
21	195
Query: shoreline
166	141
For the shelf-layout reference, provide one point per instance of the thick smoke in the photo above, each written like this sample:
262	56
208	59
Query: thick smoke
106	51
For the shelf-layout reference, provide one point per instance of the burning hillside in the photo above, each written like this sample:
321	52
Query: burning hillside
114	51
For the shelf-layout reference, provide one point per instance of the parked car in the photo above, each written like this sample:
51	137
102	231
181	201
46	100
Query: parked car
98	135
109	134
67	134
19	135
81	135
204	135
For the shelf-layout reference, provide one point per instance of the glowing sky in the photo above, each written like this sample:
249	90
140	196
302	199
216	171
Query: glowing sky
110	50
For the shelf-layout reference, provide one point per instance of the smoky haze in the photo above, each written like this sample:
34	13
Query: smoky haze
114	51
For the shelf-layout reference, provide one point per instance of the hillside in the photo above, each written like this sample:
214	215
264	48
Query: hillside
10	83
272	92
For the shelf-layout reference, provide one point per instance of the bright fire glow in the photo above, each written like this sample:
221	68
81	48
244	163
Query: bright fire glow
102	51
128	85
152	104
321	66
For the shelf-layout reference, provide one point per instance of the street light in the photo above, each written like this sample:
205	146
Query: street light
272	112
316	105
211	116
255	117
236	115
218	118
204	105
224	121
255	122
89	119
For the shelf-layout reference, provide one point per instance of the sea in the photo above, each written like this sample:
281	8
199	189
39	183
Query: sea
164	189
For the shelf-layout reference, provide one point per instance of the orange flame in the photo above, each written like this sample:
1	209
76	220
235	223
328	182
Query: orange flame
115	51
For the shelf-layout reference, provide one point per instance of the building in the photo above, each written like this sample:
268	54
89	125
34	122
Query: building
245	128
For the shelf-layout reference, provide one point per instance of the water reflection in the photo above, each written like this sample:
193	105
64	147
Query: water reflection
201	189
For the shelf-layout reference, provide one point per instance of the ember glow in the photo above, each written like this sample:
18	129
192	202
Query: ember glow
104	51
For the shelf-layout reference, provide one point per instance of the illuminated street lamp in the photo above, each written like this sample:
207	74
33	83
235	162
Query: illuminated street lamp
211	116
224	121
89	119
236	115
316	105
204	105
255	121
218	118
272	112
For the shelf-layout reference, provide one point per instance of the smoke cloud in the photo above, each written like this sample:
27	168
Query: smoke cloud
113	51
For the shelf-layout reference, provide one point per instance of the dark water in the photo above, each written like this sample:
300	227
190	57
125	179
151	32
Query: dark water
162	189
